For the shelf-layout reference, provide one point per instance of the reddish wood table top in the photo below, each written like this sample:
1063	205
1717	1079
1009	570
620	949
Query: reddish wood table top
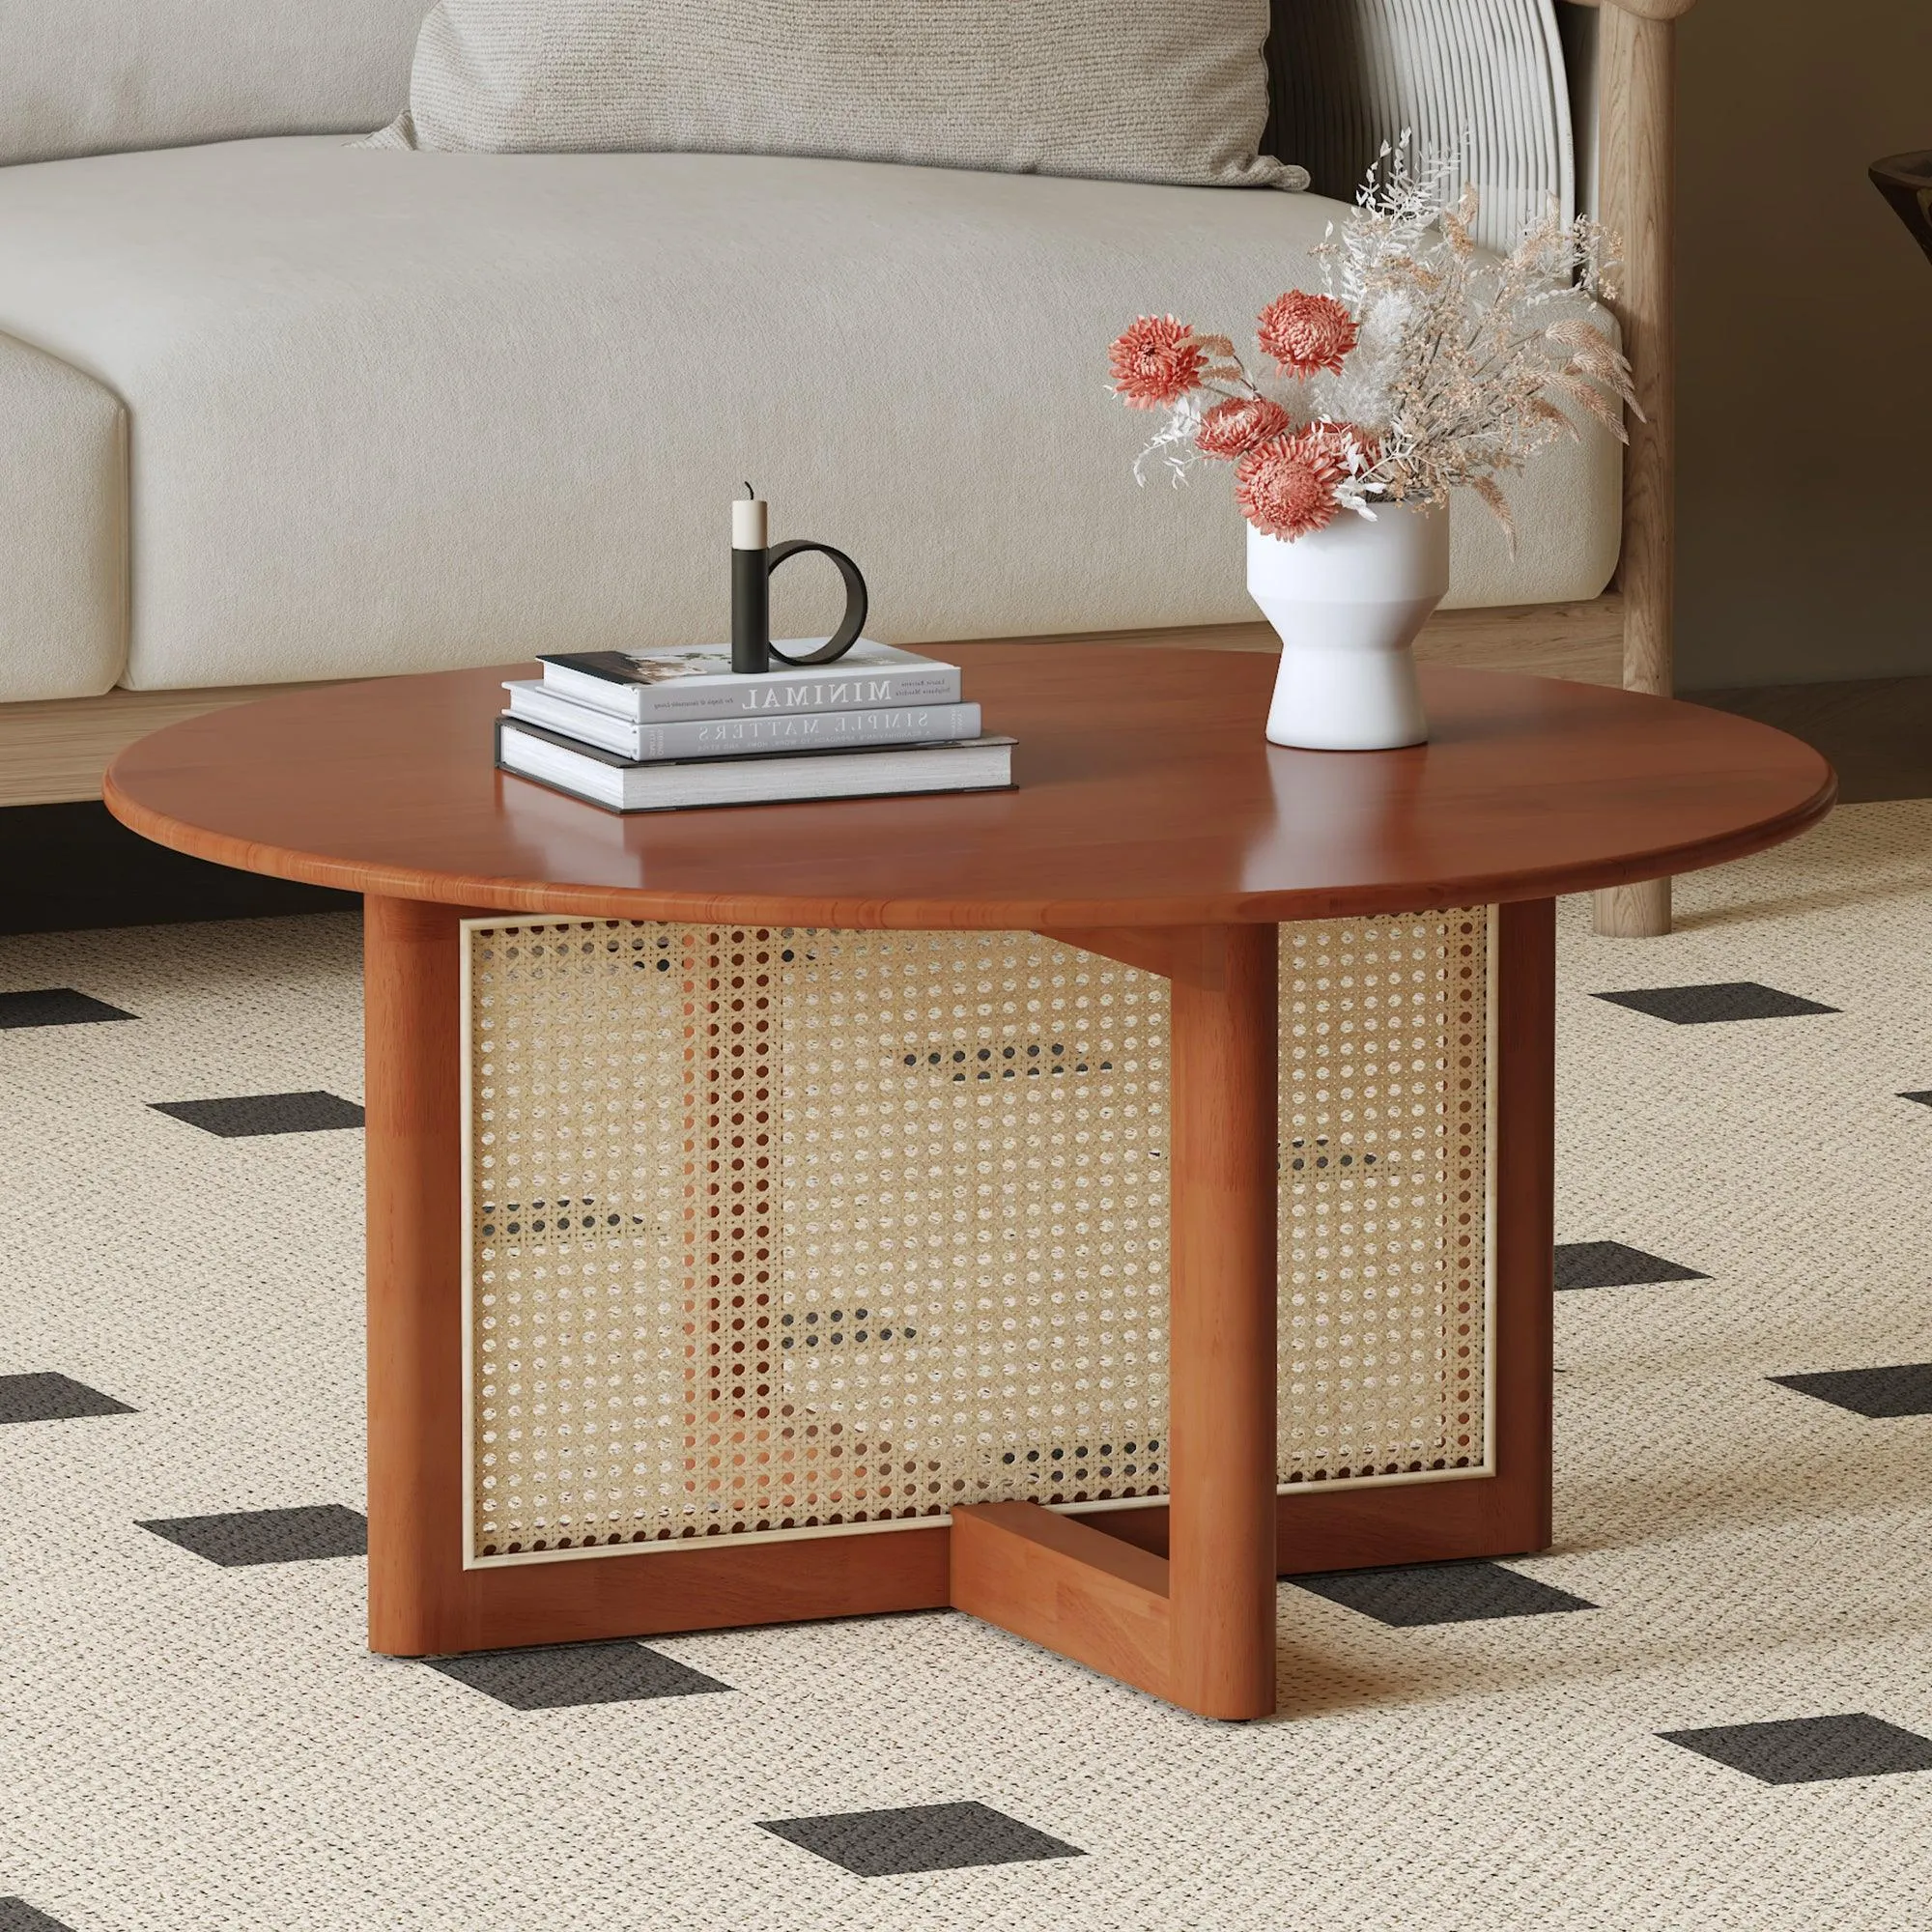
1147	796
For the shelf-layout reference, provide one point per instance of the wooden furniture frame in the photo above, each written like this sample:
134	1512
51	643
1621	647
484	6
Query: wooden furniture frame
1636	150
1176	1599
1153	826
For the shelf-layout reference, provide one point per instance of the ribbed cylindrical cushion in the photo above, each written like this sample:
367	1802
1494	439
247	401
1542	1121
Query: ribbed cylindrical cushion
1480	82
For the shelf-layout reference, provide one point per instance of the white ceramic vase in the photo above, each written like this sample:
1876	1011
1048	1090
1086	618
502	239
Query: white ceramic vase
1349	602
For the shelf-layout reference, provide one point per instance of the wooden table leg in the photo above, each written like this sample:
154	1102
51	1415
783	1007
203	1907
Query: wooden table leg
416	1275
1222	1423
1196	1628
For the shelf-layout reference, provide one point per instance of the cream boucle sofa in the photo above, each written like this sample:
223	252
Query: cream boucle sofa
282	408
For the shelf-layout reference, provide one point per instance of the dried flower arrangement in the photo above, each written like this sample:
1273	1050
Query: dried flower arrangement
1426	366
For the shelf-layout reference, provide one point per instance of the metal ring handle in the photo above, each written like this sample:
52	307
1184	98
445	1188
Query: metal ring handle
850	625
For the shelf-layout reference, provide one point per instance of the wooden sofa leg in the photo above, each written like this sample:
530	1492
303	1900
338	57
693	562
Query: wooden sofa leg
1632	912
1638	67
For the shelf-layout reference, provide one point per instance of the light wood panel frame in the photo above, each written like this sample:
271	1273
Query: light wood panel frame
54	750
1636	76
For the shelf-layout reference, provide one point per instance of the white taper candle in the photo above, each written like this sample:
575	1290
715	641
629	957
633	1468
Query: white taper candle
749	525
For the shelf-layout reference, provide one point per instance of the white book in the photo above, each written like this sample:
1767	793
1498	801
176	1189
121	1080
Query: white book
623	785
688	681
538	704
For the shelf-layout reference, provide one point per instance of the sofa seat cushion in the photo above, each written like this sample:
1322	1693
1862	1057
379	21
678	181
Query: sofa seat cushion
395	412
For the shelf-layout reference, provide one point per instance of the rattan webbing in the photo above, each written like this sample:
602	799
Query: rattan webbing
790	1230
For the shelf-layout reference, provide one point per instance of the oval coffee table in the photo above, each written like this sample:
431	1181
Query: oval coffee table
1072	1203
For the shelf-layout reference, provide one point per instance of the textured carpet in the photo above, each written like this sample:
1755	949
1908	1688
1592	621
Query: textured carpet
1709	1705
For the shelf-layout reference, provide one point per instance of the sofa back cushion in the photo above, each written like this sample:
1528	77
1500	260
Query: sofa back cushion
1124	90
105	76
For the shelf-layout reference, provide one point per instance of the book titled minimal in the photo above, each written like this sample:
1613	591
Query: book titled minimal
768	778
737	736
684	681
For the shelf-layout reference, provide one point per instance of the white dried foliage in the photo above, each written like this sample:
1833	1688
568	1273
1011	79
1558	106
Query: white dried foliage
1172	446
1466	363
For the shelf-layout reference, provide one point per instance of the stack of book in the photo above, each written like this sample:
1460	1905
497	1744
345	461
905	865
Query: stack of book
660	729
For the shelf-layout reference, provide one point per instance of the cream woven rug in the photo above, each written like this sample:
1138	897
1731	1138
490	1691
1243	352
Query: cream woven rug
194	1738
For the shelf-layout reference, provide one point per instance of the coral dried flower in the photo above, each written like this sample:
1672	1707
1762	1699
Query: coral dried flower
1230	430
1156	363
1306	334
1286	488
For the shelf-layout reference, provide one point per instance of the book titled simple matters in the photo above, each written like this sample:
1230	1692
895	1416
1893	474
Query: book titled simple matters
543	704
695	681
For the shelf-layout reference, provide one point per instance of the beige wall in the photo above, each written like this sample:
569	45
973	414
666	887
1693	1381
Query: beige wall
1804	504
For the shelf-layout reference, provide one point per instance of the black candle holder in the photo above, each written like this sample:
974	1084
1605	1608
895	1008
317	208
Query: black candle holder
752	646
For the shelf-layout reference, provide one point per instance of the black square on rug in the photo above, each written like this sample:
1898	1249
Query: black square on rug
47	1397
17	1916
250	1114
1612	1264
1807	1751
919	1839
548	1677
1924	1100
1903	1390
56	1006
1410	1595
1728	1000
242	1537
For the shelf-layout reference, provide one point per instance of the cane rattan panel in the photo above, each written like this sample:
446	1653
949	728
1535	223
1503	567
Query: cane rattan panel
1385	1136
783	1232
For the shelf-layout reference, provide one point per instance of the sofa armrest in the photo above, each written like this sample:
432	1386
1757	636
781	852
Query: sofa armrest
63	529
